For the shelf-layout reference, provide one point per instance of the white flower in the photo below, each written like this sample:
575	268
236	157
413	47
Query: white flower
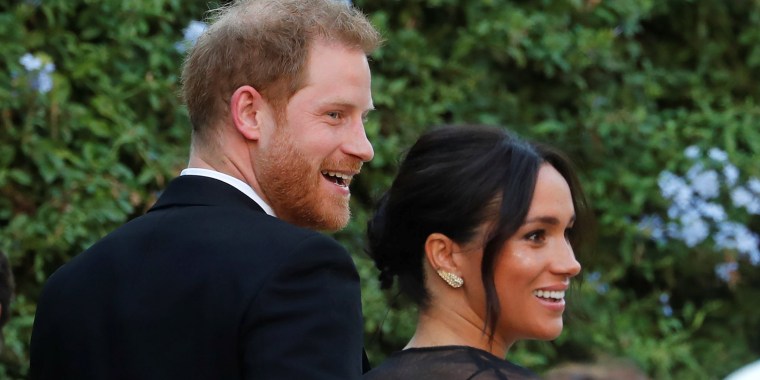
30	62
718	155
691	152
706	184
731	173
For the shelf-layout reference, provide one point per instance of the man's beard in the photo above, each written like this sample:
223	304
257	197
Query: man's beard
294	189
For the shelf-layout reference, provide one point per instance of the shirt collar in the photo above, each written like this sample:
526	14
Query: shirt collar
232	181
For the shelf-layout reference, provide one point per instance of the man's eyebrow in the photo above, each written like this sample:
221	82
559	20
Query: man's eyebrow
344	104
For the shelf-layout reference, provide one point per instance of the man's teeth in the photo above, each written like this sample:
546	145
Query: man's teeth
555	294
339	175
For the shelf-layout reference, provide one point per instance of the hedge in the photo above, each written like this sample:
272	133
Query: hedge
656	102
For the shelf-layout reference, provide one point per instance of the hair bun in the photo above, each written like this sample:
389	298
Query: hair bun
377	244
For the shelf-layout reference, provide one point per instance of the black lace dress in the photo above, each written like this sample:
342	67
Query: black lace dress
447	363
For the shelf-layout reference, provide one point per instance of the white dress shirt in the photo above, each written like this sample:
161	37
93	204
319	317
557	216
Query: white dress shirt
232	181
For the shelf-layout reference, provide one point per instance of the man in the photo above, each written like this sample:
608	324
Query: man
225	277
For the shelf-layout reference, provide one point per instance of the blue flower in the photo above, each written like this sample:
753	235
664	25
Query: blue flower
692	152
652	226
30	62
736	236
39	74
694	211
665	302
754	185
191	33
694	229
706	184
725	238
194	30
731	173
725	271
674	188
718	155
711	210
742	197
594	279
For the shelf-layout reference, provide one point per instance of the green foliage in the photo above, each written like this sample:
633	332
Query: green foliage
622	86
91	153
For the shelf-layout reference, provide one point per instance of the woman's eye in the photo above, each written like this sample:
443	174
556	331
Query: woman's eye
535	236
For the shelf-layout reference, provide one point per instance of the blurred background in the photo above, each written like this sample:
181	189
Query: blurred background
655	101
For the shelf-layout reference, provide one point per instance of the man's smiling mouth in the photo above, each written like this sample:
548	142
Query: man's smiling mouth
340	179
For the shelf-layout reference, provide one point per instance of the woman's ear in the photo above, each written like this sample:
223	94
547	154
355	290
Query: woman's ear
248	108
439	251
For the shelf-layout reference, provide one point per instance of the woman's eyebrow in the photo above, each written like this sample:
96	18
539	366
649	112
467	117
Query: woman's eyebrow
552	220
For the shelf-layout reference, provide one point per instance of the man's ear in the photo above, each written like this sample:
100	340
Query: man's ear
439	249
248	109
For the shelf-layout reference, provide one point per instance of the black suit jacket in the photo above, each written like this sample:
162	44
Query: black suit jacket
203	286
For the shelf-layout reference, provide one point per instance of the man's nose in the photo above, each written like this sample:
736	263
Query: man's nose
358	144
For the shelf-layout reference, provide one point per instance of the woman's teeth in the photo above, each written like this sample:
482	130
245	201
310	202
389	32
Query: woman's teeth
554	295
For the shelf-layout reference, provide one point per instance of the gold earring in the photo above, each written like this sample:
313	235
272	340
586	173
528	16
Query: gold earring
453	280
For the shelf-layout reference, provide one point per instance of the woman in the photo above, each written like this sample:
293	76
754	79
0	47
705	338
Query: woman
477	228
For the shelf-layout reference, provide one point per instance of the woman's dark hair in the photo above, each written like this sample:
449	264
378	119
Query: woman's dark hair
447	183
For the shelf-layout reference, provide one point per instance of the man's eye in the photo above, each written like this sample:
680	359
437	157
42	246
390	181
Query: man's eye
334	115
